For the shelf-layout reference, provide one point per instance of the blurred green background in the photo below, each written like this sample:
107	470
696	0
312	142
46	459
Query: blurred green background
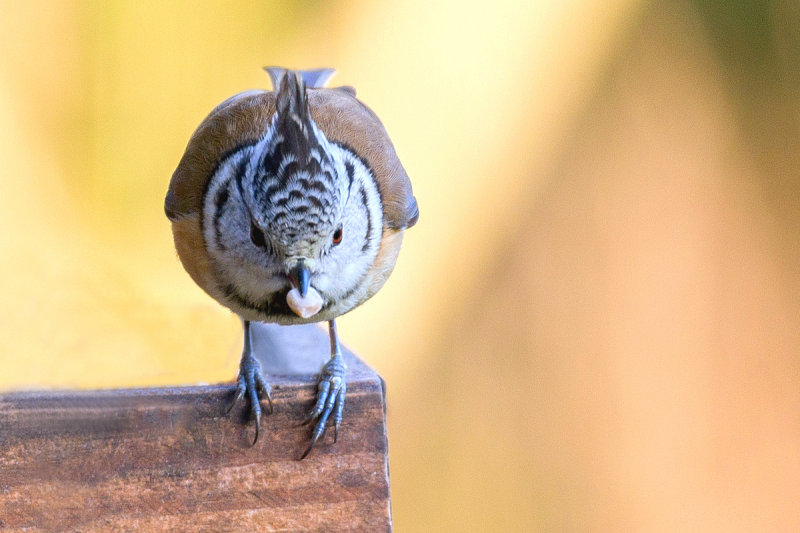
595	325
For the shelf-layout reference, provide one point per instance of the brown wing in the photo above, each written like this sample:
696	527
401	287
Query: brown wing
240	119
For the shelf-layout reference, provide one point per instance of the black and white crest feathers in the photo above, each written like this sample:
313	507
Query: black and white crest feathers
293	122
295	188
313	78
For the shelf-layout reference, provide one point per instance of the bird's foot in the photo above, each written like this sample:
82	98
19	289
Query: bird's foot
251	384
331	391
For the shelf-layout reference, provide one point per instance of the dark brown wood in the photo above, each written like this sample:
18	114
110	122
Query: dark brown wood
172	459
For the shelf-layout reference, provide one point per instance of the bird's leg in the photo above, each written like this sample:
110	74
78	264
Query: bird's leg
331	391
251	383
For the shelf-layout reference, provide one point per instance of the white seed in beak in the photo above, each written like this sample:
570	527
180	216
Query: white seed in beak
304	307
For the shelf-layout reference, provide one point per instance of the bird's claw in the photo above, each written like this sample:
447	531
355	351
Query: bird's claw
251	384
331	392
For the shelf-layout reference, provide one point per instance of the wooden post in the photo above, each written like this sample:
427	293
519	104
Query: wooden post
171	459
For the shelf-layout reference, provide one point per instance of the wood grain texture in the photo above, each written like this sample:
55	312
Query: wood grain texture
173	460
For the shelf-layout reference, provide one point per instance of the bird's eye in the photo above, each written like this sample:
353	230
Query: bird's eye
337	236
257	236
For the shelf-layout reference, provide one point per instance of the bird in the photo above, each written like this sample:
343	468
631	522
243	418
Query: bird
289	206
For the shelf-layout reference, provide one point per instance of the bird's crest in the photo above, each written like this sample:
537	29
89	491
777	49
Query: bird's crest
296	179
313	78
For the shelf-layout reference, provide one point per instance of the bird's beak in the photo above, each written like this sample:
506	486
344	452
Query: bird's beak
300	278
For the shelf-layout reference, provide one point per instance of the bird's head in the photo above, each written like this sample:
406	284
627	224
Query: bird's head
293	211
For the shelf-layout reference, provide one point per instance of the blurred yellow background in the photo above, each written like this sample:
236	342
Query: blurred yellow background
594	326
